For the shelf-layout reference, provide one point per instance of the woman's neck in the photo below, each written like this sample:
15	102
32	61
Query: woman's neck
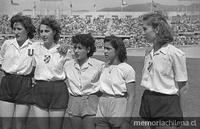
114	62
82	61
20	43
49	45
157	46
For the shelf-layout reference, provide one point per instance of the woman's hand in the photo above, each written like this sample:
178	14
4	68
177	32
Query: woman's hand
33	82
63	48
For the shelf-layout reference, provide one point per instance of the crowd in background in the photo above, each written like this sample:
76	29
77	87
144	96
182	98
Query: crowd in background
118	26
185	25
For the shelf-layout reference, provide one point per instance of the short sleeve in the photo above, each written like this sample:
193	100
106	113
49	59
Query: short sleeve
2	51
129	74
179	66
67	65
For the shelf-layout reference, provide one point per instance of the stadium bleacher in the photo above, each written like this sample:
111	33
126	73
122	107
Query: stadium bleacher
187	31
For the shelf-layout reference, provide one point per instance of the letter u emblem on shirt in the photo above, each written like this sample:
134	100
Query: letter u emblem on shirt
30	52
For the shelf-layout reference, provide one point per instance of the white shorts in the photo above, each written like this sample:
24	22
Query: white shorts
111	111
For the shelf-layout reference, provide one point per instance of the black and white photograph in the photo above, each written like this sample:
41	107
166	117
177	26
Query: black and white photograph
99	64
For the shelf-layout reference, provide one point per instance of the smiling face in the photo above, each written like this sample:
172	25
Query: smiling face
81	52
149	32
20	32
109	52
47	34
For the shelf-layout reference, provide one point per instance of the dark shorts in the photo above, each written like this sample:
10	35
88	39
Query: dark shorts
51	95
157	106
83	105
15	88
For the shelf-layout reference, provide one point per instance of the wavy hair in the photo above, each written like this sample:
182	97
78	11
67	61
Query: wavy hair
86	40
118	44
158	21
26	22
53	24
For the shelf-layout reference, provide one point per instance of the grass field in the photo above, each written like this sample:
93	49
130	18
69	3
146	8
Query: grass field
193	101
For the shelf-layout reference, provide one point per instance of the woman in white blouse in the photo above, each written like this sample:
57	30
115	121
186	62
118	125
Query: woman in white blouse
16	63
49	95
83	73
117	83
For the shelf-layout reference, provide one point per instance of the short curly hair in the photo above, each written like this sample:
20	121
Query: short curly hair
53	24
158	20
86	40
26	22
118	44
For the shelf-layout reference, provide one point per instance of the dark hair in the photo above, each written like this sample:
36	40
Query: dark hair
118	44
86	40
158	21
26	22
53	24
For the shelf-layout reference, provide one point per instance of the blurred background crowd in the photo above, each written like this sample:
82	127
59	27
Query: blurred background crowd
129	28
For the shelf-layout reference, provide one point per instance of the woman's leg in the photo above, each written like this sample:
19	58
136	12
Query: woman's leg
88	122
56	118
101	123
6	113
76	122
21	115
147	127
66	122
42	117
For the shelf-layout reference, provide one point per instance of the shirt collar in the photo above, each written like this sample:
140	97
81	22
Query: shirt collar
53	49
25	44
162	50
89	61
85	65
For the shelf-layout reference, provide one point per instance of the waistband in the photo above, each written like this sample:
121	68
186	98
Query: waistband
112	96
49	81
96	93
9	74
157	93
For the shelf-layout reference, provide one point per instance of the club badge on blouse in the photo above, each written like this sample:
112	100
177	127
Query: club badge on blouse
47	58
150	66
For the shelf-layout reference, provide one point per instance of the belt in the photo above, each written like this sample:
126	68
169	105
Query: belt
112	96
96	93
48	81
9	74
158	93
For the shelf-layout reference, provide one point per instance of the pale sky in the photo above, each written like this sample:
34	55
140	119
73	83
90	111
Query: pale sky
89	4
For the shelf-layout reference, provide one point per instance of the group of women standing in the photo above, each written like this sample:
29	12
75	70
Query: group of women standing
94	94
